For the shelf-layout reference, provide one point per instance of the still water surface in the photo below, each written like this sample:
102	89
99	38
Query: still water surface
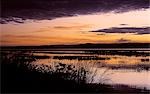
120	68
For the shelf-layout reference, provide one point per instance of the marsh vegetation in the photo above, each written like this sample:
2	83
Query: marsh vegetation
23	71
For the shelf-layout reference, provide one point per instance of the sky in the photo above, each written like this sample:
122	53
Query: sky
112	25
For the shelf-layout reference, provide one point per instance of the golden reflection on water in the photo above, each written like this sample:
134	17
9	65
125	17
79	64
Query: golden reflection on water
114	59
119	76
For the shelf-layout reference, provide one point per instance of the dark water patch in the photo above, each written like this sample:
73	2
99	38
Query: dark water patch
111	46
145	60
41	57
123	53
136	67
80	57
99	52
16	57
21	56
60	52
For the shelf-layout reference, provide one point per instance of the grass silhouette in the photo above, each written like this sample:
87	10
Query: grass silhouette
19	75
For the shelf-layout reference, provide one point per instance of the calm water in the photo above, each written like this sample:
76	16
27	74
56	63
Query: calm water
114	67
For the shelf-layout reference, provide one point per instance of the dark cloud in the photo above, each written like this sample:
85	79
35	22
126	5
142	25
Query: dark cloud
49	9
122	40
136	30
123	24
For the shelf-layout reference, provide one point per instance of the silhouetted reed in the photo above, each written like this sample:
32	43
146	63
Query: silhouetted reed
20	75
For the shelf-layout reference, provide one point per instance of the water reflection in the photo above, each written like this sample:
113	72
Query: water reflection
122	68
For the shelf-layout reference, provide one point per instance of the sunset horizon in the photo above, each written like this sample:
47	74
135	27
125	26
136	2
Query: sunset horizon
111	27
75	46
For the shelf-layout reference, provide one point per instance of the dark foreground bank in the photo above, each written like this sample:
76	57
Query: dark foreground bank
20	76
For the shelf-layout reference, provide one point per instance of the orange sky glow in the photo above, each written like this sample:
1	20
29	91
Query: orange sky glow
75	30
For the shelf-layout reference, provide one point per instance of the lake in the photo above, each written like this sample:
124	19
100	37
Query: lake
111	66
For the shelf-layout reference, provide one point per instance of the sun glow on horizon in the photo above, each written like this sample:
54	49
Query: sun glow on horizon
76	29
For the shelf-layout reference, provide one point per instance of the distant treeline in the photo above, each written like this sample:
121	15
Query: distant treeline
88	45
